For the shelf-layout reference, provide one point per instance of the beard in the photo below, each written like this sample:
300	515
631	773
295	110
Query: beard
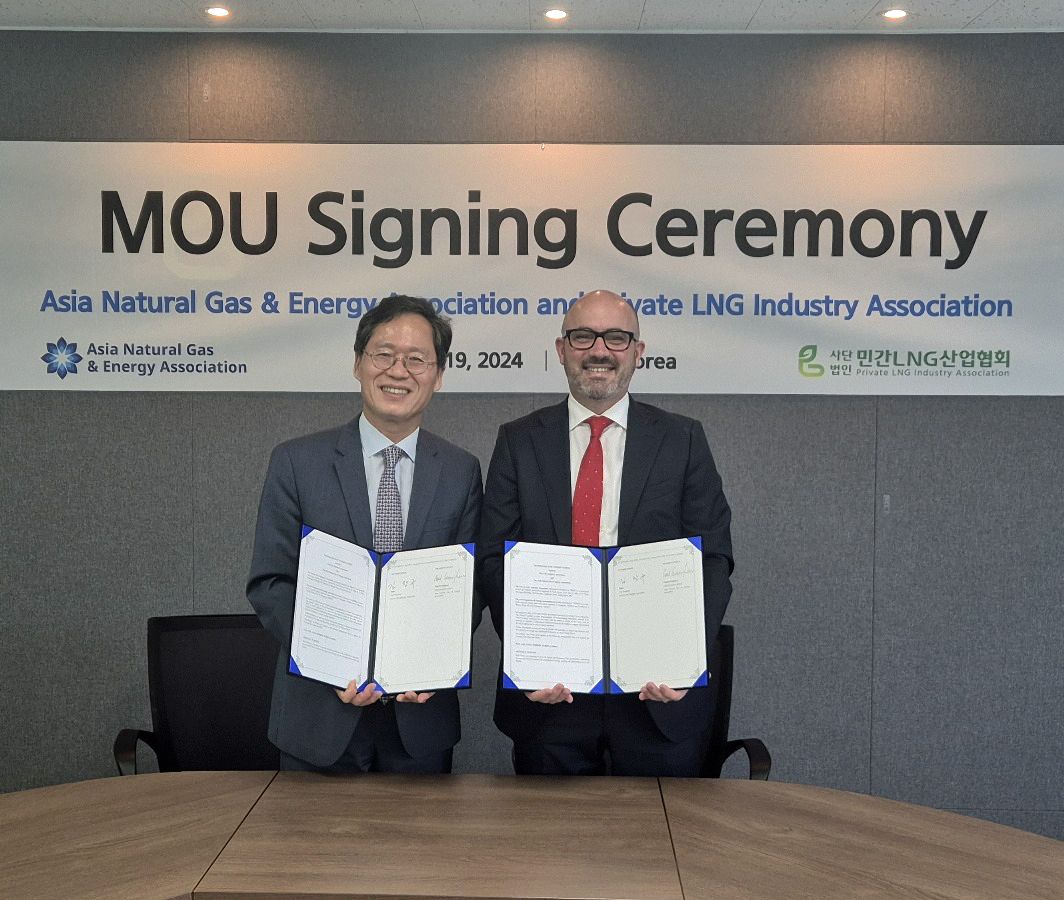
596	387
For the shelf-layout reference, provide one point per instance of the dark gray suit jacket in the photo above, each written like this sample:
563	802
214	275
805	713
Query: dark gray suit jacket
669	489
320	480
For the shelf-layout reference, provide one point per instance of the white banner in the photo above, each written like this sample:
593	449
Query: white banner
755	269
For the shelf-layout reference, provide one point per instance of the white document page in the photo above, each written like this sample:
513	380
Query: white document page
425	620
333	606
553	611
657	617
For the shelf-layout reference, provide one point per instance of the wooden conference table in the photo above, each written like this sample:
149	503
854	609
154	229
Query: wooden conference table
265	835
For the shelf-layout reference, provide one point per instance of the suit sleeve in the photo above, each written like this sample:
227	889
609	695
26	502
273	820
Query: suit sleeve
501	522
271	583
706	512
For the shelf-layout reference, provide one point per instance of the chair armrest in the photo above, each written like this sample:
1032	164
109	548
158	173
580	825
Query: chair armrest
756	752
125	748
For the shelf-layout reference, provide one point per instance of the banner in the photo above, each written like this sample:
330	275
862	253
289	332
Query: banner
754	269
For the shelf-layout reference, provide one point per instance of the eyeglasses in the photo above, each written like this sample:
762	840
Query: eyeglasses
584	338
413	363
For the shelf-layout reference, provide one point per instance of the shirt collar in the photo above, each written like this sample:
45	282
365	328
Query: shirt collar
618	413
373	441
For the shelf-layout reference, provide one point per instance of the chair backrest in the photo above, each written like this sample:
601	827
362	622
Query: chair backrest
210	679
720	667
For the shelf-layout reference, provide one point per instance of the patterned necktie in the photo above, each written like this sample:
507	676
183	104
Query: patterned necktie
587	498
388	523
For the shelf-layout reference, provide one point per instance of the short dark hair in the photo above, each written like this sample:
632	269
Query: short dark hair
400	305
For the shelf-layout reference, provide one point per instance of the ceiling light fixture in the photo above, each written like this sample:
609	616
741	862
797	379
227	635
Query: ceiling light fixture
895	15
219	12
556	15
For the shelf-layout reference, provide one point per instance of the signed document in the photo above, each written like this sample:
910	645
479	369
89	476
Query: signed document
553	608
604	620
657	617
401	620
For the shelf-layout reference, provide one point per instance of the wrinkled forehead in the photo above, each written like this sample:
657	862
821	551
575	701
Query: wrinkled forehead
601	312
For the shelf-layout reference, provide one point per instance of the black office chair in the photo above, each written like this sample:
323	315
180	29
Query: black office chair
720	748
210	679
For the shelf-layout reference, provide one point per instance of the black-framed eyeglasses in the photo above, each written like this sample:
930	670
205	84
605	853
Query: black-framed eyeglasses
584	338
414	363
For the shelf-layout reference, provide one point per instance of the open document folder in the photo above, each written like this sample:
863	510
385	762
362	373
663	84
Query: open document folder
604	620
401	620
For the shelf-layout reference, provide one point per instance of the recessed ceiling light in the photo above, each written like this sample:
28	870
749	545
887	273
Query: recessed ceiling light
556	15
219	12
895	15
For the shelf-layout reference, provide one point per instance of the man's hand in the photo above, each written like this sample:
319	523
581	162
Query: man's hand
369	694
662	693
414	697
557	694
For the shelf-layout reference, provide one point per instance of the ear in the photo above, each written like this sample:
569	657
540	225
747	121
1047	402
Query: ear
438	383
640	349
354	369
559	345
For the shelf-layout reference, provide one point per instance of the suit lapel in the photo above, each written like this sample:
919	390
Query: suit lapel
351	473
550	442
427	472
640	450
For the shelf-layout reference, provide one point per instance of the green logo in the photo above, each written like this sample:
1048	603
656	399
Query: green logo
806	366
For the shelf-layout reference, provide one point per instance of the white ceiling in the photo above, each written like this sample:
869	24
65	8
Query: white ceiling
527	15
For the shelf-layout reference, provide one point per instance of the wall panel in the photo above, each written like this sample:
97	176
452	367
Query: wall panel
975	89
798	473
968	625
96	518
93	86
369	88
710	89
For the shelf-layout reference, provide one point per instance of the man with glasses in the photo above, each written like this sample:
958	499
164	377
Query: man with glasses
380	481
603	469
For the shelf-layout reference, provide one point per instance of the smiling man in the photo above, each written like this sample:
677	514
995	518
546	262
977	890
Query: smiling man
380	481
603	469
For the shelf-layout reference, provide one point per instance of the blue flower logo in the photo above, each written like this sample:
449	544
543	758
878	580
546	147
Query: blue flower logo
62	358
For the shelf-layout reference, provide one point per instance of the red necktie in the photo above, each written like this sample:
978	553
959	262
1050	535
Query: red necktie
587	498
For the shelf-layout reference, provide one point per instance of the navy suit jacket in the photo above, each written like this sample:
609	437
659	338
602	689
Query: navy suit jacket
320	479
670	488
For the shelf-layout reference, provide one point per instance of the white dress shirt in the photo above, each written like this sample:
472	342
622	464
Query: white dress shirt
612	440
373	444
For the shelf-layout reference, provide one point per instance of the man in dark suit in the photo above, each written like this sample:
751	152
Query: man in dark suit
380	481
602	469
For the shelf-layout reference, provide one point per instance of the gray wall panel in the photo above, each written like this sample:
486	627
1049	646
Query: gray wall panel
977	88
727	89
97	525
798	472
93	86
968	631
372	88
